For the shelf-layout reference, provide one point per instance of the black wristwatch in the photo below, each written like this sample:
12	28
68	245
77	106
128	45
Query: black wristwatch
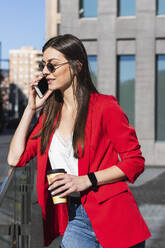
93	180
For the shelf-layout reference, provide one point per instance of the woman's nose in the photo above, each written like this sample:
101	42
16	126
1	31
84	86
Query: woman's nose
45	70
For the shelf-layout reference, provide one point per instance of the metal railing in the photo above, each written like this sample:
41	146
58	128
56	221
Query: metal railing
15	208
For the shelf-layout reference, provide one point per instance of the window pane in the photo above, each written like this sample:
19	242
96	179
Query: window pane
126	7
58	6
88	8
58	28
160	98
160	7
126	83
92	59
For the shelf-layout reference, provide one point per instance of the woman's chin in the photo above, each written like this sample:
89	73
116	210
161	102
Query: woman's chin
52	88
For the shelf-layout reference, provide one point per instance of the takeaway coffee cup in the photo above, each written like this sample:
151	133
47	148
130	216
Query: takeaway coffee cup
56	198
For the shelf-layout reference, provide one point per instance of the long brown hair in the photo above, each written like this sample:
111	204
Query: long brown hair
73	50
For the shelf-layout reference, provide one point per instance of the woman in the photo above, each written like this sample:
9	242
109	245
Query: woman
85	133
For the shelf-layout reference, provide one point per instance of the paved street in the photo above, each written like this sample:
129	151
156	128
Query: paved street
149	191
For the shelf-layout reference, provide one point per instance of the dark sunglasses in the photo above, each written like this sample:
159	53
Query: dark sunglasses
51	68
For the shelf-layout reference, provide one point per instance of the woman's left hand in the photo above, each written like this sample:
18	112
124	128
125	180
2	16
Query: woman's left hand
68	183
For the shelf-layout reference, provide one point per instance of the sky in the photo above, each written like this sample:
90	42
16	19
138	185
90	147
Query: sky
22	23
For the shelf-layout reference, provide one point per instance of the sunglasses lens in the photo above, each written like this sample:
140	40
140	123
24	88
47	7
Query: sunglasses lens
50	67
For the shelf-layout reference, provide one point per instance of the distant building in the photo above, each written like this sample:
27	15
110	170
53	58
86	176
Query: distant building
24	67
4	85
125	42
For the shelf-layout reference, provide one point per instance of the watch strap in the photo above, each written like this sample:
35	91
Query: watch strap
93	180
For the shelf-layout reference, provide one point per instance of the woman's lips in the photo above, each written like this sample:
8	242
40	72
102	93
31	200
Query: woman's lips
50	81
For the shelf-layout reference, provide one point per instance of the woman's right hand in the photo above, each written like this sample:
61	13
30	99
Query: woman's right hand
34	101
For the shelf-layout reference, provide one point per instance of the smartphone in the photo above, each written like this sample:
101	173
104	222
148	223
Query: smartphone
42	87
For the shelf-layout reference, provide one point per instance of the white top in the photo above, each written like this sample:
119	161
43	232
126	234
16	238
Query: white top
61	154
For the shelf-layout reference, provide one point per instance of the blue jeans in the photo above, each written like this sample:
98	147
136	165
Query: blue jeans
79	232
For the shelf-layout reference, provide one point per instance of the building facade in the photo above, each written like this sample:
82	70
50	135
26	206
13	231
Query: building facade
53	18
24	67
4	94
126	41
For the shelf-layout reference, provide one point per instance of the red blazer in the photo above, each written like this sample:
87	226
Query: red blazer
112	210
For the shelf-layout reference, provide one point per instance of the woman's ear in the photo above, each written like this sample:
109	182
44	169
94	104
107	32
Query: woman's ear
79	65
